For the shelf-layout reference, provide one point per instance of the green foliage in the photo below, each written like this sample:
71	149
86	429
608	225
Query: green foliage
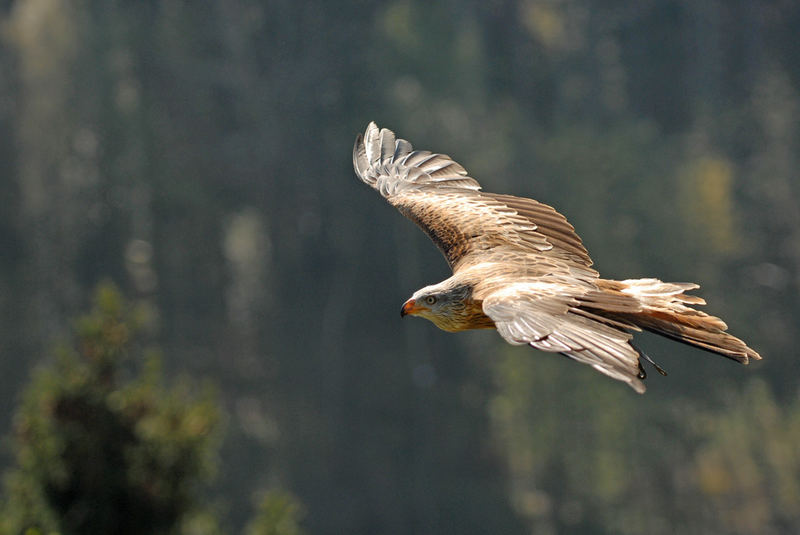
746	470
102	445
278	513
605	461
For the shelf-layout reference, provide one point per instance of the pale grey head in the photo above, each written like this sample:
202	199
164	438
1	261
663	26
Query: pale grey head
449	305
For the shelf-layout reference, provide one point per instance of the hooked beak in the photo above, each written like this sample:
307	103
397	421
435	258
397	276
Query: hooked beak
410	307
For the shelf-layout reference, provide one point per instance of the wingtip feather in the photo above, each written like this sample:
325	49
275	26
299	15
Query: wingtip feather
388	163
360	162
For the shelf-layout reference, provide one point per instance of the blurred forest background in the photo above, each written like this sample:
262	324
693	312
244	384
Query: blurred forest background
198	155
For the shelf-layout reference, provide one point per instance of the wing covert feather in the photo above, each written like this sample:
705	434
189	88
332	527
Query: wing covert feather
437	194
539	314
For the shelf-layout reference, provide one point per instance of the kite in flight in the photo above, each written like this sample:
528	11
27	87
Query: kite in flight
519	267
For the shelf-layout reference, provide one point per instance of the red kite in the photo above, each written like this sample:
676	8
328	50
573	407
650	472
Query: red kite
519	267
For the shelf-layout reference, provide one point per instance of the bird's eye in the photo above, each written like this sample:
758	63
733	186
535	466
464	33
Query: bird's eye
430	299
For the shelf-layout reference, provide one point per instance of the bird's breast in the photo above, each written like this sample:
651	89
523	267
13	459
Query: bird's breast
471	317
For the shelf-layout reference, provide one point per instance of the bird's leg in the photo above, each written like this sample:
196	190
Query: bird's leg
645	356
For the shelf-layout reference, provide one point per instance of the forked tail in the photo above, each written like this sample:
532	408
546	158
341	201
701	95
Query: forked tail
664	308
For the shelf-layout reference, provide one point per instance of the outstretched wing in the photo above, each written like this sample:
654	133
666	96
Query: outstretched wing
544	314
437	194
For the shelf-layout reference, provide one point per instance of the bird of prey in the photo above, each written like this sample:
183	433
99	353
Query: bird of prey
519	267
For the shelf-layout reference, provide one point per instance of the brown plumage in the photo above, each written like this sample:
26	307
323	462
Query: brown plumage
518	266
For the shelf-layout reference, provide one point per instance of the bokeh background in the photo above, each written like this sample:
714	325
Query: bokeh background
198	155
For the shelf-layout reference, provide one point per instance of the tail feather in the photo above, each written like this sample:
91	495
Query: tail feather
693	331
663	308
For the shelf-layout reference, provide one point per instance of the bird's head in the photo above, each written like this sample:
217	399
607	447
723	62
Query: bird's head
449	306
